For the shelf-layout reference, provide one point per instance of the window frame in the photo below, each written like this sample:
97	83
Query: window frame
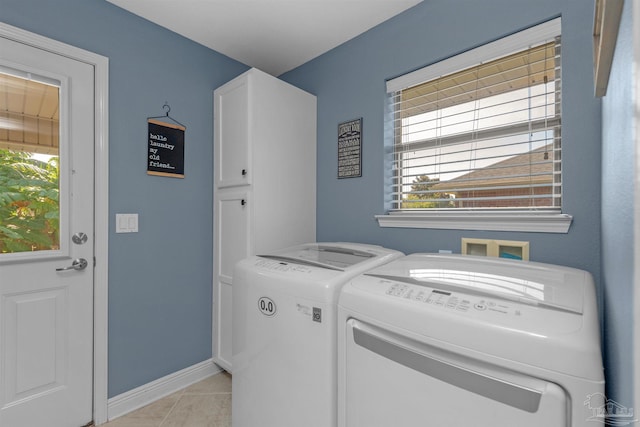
533	220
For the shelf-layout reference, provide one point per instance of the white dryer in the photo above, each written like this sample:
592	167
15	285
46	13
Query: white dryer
459	341
284	332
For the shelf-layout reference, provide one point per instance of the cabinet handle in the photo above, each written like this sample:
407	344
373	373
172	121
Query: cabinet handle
244	172
243	202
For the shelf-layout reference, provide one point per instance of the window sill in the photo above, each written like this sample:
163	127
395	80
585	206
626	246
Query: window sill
543	222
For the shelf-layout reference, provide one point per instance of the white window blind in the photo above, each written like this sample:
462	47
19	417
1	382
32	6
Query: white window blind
486	134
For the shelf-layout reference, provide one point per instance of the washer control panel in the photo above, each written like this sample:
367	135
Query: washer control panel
458	302
282	266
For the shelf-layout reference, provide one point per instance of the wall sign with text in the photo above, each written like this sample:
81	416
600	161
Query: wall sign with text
165	156
350	149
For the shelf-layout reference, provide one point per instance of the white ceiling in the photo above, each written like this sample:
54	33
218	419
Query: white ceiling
272	35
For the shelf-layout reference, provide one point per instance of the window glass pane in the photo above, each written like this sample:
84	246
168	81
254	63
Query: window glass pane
487	137
515	171
519	106
29	164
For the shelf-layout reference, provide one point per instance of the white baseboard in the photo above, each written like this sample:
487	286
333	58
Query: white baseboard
150	392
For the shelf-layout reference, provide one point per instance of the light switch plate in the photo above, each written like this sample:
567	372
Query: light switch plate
126	223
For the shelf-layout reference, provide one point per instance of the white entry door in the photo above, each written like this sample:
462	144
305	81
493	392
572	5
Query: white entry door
46	238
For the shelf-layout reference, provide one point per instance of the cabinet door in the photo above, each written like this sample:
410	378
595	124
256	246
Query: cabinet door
231	233
231	124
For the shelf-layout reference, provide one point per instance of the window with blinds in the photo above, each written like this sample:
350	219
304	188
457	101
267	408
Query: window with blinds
482	130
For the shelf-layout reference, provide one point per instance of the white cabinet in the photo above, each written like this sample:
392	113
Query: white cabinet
264	181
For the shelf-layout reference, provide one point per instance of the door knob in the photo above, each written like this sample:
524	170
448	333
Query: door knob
77	264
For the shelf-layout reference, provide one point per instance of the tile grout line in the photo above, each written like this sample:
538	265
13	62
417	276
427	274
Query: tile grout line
185	392
172	408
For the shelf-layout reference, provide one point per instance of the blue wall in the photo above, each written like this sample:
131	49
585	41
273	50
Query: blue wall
160	278
618	157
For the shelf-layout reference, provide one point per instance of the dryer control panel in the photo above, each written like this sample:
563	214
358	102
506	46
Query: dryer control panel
449	300
472	306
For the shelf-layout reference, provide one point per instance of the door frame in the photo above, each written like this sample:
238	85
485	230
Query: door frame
101	201
635	33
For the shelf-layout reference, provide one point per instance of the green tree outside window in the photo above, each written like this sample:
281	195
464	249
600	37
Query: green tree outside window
421	196
29	203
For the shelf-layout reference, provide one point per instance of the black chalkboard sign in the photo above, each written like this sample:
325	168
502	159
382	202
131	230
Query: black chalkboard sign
350	149
165	156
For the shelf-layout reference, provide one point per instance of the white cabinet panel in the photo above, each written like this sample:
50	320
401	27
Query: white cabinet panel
224	354
231	234
232	126
264	154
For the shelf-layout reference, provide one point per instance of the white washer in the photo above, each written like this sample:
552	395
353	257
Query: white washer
284	332
446	340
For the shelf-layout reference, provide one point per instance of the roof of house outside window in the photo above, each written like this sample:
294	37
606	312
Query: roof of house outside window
525	168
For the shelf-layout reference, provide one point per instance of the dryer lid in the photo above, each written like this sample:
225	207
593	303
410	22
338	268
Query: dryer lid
556	288
323	256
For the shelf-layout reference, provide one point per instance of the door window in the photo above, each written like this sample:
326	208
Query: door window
29	163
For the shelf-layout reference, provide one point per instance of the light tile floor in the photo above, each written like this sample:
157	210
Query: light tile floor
204	404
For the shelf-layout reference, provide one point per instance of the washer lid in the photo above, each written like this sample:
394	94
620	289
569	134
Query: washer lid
528	283
324	256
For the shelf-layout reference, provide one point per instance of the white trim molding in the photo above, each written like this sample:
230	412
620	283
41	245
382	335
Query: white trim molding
606	23
493	221
101	200
636	245
141	396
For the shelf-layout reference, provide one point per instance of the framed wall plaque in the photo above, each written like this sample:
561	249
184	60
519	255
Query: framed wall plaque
165	154
350	149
